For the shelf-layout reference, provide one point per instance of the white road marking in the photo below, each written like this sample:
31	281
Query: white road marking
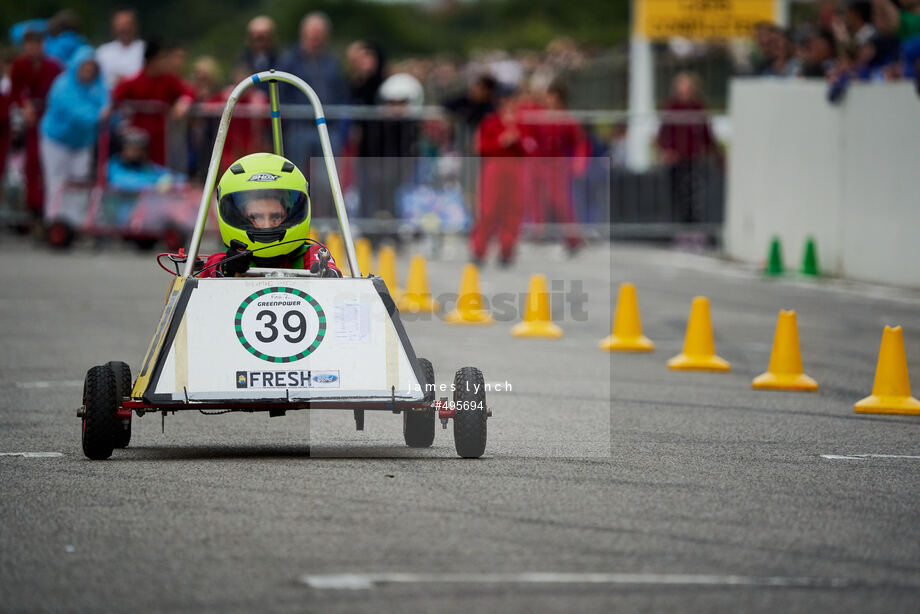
866	456
369	581
50	384
33	454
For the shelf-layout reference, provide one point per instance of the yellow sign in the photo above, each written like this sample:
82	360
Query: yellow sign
700	19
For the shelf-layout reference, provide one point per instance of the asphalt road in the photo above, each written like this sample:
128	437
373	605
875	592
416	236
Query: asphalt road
686	491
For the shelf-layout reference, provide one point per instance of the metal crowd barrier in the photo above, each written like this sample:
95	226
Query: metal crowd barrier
609	199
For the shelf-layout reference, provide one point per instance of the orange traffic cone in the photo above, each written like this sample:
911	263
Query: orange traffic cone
626	334
699	348
337	249
469	300
537	320
417	297
891	390
785	370
363	254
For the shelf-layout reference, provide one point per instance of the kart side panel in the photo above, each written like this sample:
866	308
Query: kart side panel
176	299
286	339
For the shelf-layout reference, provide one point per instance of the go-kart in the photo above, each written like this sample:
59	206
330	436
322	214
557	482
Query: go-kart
275	340
143	216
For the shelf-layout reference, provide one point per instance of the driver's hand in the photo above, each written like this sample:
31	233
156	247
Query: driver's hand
329	272
236	260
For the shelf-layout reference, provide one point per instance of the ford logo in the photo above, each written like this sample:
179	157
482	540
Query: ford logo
325	379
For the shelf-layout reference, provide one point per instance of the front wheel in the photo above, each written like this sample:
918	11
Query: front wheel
122	374
418	424
100	420
470	413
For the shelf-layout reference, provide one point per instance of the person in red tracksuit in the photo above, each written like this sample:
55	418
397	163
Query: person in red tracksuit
31	76
502	141
245	134
563	151
6	62
155	83
686	143
529	105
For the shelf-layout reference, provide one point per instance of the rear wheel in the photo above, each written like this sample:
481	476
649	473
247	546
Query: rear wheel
418	424
470	413
100	422
122	374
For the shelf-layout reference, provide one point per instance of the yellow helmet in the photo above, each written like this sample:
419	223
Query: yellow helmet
262	200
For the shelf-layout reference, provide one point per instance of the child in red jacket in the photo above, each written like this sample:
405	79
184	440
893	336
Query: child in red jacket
563	151
502	141
31	76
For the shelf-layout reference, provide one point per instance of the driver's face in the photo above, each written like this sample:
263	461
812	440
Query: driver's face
264	213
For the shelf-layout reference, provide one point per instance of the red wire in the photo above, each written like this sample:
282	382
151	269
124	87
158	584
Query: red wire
173	273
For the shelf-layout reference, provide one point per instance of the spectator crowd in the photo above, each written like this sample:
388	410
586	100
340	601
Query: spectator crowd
58	95
854	40
63	94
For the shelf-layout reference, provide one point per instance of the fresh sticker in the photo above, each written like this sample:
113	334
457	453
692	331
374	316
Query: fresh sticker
273	379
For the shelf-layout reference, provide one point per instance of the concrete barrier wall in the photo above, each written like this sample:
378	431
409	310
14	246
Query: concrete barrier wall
847	175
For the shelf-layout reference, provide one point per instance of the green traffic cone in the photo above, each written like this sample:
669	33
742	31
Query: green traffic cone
775	266
810	259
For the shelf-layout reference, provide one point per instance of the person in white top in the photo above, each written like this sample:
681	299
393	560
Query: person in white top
124	56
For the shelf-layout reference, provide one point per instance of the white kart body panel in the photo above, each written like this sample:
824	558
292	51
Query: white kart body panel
327	339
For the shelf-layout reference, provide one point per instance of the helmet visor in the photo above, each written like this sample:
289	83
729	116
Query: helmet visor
255	210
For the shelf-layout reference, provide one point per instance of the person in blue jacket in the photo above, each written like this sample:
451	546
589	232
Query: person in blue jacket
70	126
63	36
18	30
132	171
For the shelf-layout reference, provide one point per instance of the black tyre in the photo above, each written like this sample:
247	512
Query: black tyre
123	383
174	238
418	424
100	422
470	413
145	244
59	234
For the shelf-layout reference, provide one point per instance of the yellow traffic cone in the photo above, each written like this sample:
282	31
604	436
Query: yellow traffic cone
626	335
537	320
785	370
469	300
363	254
699	348
333	240
891	390
417	297
337	249
386	268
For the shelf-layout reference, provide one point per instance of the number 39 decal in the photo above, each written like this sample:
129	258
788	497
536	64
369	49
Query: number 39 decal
280	324
300	329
